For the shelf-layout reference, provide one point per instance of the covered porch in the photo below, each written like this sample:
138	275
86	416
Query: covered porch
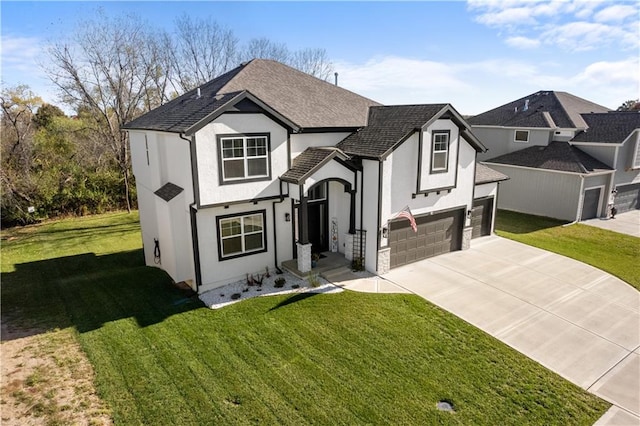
322	184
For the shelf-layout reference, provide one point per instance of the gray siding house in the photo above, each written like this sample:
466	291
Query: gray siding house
566	157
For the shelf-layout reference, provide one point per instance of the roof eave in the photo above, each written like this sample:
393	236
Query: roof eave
229	104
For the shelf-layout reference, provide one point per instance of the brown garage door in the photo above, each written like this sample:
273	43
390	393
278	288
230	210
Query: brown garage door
438	233
481	216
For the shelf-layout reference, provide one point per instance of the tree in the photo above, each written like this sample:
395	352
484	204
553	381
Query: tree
264	48
313	61
107	70
46	114
200	51
630	105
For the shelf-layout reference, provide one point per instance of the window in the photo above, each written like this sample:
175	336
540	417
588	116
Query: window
440	152
522	136
241	235
244	157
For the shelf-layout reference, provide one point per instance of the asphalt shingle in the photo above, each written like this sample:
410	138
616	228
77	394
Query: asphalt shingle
544	109
485	174
558	156
611	127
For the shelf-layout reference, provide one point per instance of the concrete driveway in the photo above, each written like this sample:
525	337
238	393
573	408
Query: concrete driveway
625	223
574	319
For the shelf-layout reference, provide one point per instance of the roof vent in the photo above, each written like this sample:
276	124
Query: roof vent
515	109
526	105
336	76
198	95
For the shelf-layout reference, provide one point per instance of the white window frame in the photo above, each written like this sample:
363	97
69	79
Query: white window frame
246	156
242	234
435	135
515	136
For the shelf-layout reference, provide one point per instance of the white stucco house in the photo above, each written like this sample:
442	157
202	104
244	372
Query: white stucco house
566	157
266	164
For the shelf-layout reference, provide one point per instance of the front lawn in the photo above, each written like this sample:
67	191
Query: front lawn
616	253
348	358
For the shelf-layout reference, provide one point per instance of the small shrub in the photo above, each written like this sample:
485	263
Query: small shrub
279	282
357	264
236	296
295	286
314	280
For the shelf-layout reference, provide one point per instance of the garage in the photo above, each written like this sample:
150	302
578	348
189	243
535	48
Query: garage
481	217
437	234
628	197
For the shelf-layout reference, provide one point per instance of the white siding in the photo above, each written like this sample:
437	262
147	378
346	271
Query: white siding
211	192
539	192
500	140
370	211
216	273
165	157
606	154
302	141
430	180
625	173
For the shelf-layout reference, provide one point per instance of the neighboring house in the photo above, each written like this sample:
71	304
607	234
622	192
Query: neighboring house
566	157
266	164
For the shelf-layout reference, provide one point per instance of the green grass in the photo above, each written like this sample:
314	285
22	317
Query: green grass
616	253
347	358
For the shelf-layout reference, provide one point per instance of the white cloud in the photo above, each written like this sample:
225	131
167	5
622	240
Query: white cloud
523	42
582	36
616	13
475	87
570	25
20	52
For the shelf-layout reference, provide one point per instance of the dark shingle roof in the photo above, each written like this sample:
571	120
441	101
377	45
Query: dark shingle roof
485	174
388	126
611	127
302	99
558	156
168	191
309	161
545	109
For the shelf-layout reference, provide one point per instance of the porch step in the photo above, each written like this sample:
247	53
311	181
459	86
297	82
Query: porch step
341	273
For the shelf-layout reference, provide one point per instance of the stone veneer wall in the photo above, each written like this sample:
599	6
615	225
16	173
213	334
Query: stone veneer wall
466	238
384	261
304	257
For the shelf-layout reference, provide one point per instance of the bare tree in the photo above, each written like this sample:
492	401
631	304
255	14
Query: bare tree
106	68
264	48
313	61
201	50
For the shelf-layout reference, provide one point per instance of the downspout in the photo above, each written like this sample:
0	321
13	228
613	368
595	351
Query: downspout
275	236
580	200
361	212
193	210
378	224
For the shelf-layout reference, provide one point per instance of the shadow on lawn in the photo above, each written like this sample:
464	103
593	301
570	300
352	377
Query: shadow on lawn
520	223
87	291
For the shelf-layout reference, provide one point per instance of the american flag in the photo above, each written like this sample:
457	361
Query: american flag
406	213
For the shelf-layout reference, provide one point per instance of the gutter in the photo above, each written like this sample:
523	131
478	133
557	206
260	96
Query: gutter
275	236
193	210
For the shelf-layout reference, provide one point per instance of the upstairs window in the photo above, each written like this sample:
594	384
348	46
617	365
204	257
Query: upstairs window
440	152
521	136
244	157
241	235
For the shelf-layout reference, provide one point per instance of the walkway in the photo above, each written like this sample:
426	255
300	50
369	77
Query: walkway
576	320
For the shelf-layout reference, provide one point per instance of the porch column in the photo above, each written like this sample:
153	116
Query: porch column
352	212
303	220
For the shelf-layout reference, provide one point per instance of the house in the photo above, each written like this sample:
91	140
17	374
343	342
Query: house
266	164
566	157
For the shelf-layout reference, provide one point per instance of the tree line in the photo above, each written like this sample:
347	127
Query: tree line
109	71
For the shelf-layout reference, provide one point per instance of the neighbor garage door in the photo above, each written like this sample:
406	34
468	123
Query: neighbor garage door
481	216
438	233
628	197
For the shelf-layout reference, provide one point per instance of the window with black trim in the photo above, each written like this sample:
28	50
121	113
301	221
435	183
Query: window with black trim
244	157
521	136
440	152
241	235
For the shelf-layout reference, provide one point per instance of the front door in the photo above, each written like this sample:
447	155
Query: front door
317	218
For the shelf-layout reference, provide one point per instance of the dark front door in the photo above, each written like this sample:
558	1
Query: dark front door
317	222
590	204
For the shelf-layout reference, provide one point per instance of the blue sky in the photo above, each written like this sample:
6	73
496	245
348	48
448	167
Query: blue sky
475	54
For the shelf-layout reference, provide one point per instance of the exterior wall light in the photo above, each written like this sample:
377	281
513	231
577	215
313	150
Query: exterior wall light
287	217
